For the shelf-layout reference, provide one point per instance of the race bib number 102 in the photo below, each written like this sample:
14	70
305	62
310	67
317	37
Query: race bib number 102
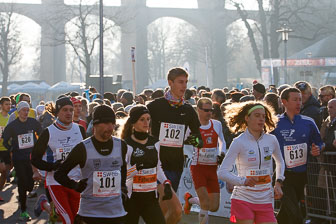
171	135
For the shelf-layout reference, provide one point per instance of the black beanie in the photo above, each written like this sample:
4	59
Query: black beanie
259	88
136	112
61	102
103	114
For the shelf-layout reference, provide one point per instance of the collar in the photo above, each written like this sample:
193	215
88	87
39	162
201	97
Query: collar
247	132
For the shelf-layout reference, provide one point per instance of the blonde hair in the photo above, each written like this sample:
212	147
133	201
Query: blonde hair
235	116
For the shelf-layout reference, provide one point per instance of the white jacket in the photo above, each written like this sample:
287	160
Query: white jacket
253	158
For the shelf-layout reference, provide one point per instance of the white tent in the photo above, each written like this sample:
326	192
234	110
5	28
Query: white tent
29	87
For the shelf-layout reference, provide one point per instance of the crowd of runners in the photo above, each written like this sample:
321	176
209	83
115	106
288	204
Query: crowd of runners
116	157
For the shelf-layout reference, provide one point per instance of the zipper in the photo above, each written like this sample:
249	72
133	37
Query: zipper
259	155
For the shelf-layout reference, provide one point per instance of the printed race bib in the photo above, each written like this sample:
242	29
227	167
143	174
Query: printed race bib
263	175
295	155
26	140
171	135
207	156
145	180
62	154
106	183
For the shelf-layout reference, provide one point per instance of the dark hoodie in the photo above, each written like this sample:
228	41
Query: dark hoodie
312	109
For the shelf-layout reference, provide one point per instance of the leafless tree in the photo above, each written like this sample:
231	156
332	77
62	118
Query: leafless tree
10	46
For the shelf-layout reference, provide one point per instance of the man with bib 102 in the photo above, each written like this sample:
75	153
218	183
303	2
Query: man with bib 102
23	132
101	158
299	138
204	163
56	142
171	117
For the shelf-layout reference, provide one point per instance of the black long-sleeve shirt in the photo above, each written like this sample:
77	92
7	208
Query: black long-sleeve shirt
78	157
41	147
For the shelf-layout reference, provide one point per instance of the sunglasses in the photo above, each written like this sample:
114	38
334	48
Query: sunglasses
207	110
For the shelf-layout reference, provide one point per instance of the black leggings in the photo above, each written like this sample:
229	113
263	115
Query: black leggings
147	207
25	180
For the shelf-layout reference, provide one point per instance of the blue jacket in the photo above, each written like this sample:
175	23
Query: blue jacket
292	137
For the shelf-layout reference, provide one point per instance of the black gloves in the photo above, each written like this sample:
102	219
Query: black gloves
139	166
220	158
80	185
124	196
168	194
56	164
195	140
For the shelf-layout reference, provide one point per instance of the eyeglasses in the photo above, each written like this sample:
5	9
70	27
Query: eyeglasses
207	110
301	86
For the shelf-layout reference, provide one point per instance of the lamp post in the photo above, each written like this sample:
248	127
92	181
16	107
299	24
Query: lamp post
284	30
101	47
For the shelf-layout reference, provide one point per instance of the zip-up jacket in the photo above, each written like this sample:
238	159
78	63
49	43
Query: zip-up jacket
296	138
253	159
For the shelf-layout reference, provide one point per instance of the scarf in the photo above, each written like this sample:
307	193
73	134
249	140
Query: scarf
62	126
172	100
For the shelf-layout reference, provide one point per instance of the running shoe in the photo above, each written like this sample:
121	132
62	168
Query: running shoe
187	205
24	216
38	208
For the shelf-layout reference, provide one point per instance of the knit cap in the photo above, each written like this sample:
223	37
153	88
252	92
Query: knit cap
103	114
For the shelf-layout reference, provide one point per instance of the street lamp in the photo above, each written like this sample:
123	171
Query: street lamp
284	30
101	48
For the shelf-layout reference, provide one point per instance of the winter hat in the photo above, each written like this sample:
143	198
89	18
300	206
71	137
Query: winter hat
103	114
136	112
21	105
259	88
74	100
61	102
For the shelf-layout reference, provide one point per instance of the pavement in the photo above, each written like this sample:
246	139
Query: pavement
9	209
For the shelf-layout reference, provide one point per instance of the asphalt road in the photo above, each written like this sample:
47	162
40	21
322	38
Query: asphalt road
9	209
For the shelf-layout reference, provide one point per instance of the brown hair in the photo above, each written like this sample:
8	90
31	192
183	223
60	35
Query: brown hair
202	101
285	93
173	73
235	116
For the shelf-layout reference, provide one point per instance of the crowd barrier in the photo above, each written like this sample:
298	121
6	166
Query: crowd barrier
320	192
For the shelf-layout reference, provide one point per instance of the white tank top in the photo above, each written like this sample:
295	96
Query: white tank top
60	144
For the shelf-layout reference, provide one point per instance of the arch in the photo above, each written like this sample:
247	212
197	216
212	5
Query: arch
28	65
177	43
241	53
112	38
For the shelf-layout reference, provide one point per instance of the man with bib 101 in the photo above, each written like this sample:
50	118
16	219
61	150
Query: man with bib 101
171	117
101	158
299	138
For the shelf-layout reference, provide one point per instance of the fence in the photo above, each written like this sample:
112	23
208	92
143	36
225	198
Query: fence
320	192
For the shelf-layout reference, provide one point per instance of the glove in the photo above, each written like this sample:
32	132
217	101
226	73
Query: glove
124	196
81	185
220	158
56	164
194	140
168	194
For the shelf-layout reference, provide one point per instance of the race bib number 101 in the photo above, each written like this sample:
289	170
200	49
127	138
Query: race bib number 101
171	135
106	183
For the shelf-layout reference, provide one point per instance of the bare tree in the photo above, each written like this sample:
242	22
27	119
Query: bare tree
310	19
10	46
